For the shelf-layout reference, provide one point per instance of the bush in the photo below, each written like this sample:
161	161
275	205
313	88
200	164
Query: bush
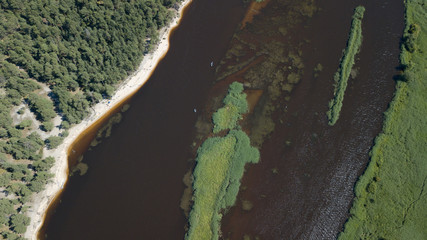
53	142
21	111
410	38
43	165
25	148
6	209
13	132
11	236
24	124
3	133
19	223
19	190
64	134
5	179
42	107
3	157
65	125
47	126
36	186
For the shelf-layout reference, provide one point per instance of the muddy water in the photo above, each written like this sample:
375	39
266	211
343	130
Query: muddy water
303	187
134	184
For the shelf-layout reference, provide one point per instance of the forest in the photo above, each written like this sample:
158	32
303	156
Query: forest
60	58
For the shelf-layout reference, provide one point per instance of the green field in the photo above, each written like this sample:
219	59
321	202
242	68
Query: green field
347	62
220	166
391	196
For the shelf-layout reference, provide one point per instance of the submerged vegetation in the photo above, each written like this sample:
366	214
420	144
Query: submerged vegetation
220	166
271	69
342	75
266	58
391	196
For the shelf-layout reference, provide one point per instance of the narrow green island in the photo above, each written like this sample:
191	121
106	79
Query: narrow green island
347	62
220	166
391	196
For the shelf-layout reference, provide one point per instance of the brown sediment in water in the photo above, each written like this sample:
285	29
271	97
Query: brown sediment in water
253	96
253	10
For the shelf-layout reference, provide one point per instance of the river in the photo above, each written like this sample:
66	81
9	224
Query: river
302	188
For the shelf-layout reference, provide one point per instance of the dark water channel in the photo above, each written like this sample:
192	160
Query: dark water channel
303	186
134	184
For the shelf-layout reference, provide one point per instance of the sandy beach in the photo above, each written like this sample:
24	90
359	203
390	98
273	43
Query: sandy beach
41	201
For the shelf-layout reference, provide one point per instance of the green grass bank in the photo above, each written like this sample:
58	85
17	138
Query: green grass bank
391	196
220	166
347	61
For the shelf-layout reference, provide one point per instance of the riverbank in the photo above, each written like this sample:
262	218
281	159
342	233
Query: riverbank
41	201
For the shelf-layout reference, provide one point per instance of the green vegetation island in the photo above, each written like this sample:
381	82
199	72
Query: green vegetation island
391	196
220	165
63	66
347	61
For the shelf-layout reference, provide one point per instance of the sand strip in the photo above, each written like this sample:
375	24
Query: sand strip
41	201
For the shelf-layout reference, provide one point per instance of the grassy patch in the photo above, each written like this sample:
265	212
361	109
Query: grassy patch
210	174
347	62
391	196
220	166
235	105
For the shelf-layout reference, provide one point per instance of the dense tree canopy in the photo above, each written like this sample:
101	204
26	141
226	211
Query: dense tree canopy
76	46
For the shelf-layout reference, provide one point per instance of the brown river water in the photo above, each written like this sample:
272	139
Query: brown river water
303	186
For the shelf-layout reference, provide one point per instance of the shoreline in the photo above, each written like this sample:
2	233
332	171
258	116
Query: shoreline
41	201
